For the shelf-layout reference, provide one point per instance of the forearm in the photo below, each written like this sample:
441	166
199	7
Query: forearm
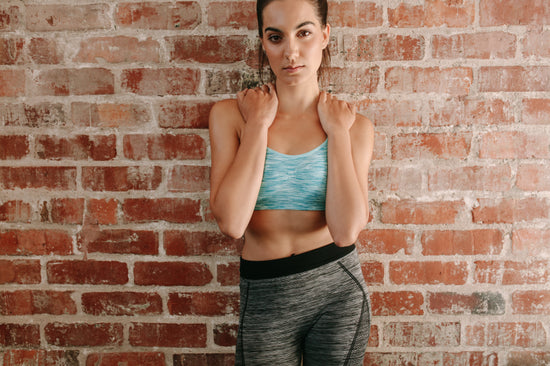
234	201
346	205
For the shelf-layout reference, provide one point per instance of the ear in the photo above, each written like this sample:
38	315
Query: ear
326	36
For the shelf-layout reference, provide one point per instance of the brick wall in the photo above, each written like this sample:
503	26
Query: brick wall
109	253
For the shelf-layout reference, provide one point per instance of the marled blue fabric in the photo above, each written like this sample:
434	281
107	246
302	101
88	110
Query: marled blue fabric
294	182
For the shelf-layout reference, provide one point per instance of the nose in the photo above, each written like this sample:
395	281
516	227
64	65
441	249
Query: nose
291	49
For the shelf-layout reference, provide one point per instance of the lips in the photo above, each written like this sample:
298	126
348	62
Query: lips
293	68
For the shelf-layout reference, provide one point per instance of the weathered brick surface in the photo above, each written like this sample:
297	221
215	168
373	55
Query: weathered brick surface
109	254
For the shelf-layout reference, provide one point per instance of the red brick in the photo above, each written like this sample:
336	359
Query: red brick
514	145
19	335
397	303
207	49
454	81
121	241
514	78
225	81
470	112
177	210
117	49
429	273
35	242
225	335
531	242
204	303
477	303
228	274
234	15
385	241
528	358
512	273
472	178
392	113
12	83
103	211
164	15
10	18
27	302
165	81
126	358
165	147
20	271
432	146
513	12
67	210
65	82
189	243
42	18
467	358
45	51
15	211
18	357
483	45
210	359
464	242
395	179
84	335
474	335
11	51
537	44
172	274
13	147
168	335
184	114
38	115
109	114
87	272
434	13
536	111
531	302
533	177
418	334
80	147
516	335
373	272
351	79
189	178
419	213
383	47
121	303
510	210
121	178
355	14
56	178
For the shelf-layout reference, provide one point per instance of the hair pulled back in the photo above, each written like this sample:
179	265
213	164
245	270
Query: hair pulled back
321	10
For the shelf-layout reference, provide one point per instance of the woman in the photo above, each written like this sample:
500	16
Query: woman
289	172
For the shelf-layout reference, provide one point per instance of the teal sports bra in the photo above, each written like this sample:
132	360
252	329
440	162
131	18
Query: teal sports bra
294	182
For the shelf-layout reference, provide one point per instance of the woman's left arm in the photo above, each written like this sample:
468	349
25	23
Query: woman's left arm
350	145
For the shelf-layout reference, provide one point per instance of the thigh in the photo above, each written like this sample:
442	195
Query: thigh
340	335
268	333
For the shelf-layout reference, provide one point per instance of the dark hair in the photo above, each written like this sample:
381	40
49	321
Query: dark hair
321	8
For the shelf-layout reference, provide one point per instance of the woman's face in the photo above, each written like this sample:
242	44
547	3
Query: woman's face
293	40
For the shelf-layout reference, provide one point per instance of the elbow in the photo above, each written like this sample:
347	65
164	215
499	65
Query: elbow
348	235
231	229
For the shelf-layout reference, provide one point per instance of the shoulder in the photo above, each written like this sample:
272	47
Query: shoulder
224	115
362	128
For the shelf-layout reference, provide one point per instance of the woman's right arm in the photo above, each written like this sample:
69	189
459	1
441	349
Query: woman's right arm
238	155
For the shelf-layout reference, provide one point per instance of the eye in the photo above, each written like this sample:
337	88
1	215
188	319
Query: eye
275	38
303	33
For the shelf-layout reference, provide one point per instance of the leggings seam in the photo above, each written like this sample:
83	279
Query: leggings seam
241	325
346	362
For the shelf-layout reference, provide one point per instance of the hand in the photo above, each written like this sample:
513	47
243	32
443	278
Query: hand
335	114
258	105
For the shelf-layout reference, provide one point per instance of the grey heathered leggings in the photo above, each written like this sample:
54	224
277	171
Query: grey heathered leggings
319	316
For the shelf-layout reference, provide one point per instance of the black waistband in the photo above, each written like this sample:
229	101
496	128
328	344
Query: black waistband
256	270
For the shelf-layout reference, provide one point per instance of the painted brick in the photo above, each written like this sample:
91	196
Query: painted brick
509	210
477	303
20	271
392	113
87	272
87	335
225	334
56	178
214	359
234	15
432	146
228	274
12	83
189	243
536	111
528	358
36	115
531	302
10	18
351	80
511	12
531	243
172	274
122	178
109	114
189	178
429	272
204	303
395	179
45	51
514	78
415	212
28	302
383	47
207	49
103	211
483	45
164	81
176	210
126	358
397	303
470	112
355	14
35	242
67	210
463	242
18	357
453	81
418	334
19	335
118	49
373	272
385	241
164	147
472	178
434	13
164	15
120	241
512	273
15	211
13	147
184	114
533	177
11	51
43	18
514	145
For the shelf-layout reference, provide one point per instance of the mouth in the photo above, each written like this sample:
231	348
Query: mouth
293	68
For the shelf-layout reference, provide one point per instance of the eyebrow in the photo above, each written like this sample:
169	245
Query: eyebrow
298	27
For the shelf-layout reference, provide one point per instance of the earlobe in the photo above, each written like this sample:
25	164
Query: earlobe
326	35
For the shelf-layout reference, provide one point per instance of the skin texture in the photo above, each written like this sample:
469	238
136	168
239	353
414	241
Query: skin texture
291	116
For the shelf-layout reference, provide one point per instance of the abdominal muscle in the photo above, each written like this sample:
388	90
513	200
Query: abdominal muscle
273	234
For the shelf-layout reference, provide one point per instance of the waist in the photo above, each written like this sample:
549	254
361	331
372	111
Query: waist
254	270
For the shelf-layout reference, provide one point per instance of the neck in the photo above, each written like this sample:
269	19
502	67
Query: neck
297	99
